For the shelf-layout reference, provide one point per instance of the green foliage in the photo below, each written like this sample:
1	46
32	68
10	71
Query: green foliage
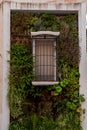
64	121
20	78
68	121
54	107
34	22
45	22
33	123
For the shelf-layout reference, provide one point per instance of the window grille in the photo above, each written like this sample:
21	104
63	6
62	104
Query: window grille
44	56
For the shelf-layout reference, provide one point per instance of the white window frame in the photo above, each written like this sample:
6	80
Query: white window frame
42	33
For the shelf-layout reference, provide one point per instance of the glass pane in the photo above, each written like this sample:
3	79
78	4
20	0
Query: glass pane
44	60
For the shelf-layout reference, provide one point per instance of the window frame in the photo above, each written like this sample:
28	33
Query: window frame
45	35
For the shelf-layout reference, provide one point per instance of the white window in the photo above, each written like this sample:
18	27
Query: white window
44	56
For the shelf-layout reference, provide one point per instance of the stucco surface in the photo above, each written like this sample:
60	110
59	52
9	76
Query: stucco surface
1	67
45	1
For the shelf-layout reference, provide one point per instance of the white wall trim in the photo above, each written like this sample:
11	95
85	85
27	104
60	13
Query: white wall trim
83	61
6	48
43	82
1	65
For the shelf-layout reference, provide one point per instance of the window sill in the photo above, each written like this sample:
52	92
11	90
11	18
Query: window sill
41	83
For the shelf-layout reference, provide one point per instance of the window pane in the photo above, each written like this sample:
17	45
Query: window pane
45	60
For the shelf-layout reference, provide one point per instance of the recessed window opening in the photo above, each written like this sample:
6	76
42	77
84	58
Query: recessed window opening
44	56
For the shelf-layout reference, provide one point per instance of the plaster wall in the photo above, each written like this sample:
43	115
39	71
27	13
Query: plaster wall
44	1
1	66
83	62
51	5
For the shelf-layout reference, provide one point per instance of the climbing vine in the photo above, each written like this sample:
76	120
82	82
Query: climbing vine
54	107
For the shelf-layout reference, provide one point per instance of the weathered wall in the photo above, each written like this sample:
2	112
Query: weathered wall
46	1
1	65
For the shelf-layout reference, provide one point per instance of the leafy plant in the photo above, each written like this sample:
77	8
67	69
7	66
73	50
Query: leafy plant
64	121
20	78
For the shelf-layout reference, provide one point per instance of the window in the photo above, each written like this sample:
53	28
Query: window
44	56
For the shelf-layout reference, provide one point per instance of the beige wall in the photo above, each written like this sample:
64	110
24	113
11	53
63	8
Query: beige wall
1	50
1	66
47	1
